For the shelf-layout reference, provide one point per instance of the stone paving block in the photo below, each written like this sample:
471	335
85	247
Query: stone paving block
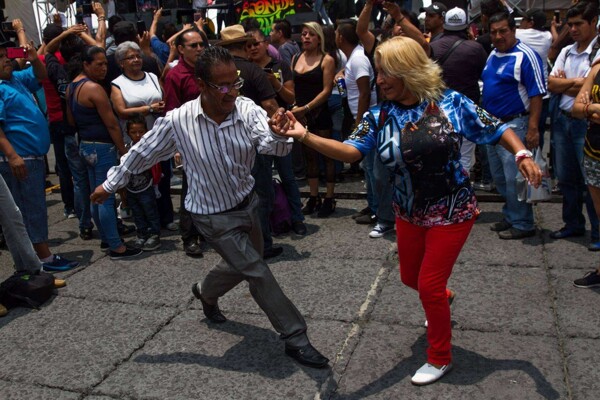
487	300
486	366
484	246
154	278
26	391
582	357
576	306
71	343
242	358
320	288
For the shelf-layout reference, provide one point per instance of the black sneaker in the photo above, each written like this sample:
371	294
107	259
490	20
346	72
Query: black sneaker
86	234
129	252
589	280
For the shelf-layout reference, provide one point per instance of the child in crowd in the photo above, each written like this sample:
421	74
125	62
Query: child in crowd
141	194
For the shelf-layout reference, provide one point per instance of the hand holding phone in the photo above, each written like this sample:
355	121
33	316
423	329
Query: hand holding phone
557	16
141	27
16	52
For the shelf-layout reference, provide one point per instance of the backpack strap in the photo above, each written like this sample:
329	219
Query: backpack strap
442	60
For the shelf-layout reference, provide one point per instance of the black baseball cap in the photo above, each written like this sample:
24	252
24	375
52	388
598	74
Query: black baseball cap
536	16
435	8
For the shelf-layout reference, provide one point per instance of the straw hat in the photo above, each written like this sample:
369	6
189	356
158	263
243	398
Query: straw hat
233	34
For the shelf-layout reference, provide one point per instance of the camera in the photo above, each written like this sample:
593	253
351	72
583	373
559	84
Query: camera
16	52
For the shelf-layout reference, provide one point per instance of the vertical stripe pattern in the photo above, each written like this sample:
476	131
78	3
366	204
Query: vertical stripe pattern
217	159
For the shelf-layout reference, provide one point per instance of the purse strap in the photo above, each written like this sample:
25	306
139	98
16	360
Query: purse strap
442	60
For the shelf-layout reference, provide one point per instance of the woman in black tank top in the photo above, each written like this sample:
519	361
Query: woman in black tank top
313	80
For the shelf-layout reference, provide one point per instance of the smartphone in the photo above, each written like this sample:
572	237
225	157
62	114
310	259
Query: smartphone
557	16
197	16
141	27
16	52
7	26
79	19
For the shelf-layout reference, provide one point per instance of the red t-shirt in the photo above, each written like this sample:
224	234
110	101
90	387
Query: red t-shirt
55	113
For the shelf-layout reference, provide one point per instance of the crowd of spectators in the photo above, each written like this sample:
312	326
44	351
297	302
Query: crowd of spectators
95	96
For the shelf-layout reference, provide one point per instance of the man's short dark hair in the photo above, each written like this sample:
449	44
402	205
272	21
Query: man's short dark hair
112	21
587	9
210	57
503	16
180	41
347	29
50	32
250	24
125	31
283	26
135	119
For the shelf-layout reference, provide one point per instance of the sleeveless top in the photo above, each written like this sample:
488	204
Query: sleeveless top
138	93
592	137
90	126
308	86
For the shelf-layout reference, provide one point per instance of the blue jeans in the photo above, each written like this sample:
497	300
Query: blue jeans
367	165
30	196
145	212
569	138
383	191
290	186
504	171
99	158
81	182
57	135
262	171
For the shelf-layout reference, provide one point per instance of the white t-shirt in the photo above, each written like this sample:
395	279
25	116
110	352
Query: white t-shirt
539	41
358	66
140	93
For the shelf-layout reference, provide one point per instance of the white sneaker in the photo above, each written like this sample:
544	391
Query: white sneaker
380	229
428	374
125	212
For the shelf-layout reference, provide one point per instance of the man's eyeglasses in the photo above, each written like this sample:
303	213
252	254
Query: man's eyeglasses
194	45
225	89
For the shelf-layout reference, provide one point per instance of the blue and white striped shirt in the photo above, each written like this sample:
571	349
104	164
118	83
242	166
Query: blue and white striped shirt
217	159
510	79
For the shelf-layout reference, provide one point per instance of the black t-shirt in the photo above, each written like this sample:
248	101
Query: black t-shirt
256	85
283	73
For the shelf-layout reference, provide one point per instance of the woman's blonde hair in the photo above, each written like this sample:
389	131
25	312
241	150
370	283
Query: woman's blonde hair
405	59
318	30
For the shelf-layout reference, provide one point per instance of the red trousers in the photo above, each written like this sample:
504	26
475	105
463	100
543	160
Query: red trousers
427	256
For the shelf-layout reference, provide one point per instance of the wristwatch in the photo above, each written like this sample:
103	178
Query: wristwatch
150	109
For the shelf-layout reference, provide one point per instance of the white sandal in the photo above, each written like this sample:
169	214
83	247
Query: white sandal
428	374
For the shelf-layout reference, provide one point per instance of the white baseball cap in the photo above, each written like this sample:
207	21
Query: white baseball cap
456	20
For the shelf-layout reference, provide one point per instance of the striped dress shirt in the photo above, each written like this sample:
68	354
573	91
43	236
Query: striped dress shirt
217	159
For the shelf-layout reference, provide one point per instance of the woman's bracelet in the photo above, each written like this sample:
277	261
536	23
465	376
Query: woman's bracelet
306	108
586	110
20	30
101	18
280	87
400	20
302	138
523	154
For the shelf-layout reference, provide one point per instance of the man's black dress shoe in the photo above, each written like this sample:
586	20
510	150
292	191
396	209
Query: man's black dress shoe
193	249
307	355
563	233
272	252
212	312
299	228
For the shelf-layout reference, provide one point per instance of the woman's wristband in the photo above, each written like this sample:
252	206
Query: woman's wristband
306	108
280	87
523	154
304	136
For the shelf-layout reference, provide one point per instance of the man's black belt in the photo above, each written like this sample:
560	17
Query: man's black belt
509	118
243	204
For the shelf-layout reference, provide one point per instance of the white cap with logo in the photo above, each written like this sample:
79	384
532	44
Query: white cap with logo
456	20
